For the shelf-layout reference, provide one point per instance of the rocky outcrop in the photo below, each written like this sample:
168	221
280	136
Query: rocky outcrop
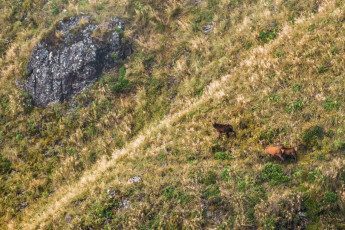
72	57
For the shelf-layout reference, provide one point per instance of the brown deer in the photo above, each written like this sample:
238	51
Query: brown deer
227	129
290	152
273	150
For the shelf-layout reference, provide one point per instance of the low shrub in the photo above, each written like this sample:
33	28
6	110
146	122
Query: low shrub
210	178
169	192
211	191
330	105
267	35
330	197
322	69
222	156
5	165
274	174
123	84
310	135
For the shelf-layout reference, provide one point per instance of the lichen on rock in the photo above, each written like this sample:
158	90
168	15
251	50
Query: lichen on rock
71	57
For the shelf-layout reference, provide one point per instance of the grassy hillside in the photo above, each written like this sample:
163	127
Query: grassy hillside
272	69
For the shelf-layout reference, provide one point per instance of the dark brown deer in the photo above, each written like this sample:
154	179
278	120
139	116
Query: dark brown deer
221	129
273	150
290	152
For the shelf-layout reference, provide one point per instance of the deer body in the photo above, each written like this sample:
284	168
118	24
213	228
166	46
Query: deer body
290	152
223	129
274	151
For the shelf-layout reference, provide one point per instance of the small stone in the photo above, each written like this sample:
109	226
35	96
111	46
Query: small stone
68	218
125	204
207	29
112	193
22	206
135	179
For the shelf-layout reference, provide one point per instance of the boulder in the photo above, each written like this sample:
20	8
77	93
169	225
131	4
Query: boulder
71	57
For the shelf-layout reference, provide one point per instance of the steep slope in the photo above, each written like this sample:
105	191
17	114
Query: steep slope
273	69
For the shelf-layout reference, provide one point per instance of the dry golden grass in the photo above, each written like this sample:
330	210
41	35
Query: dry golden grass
161	130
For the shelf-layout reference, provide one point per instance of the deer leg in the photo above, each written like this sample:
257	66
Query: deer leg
227	134
281	158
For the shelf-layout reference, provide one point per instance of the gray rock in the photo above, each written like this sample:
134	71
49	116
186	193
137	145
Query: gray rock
22	206
112	193
68	218
125	204
207	29
135	179
72	57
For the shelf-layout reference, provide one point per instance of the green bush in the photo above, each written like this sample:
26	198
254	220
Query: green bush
330	197
210	178
55	9
297	87
119	31
241	185
19	137
267	134
274	97
103	211
211	191
183	198
311	135
274	174
5	165
270	224
267	35
225	173
162	157
222	156
169	192
314	176
322	69
338	144
250	215
296	106
330	105
123	84
311	205
201	18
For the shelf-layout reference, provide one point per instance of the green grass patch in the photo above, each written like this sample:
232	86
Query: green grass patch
169	192
274	174
330	197
5	165
266	36
311	135
211	191
210	178
322	69
222	156
330	105
122	85
338	144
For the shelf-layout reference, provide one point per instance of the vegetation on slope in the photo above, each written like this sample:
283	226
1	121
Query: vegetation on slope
273	69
